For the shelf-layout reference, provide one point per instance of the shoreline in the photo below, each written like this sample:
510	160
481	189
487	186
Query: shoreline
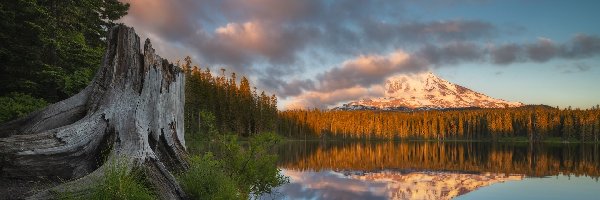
516	140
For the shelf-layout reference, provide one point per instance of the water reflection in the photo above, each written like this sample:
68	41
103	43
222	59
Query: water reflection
552	187
539	160
384	185
423	170
327	185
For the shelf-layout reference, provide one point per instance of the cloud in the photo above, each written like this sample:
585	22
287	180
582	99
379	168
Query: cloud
166	19
323	100
582	46
359	77
329	185
272	10
364	70
576	68
582	67
284	89
381	34
272	41
241	34
450	54
448	30
360	72
506	54
543	50
277	44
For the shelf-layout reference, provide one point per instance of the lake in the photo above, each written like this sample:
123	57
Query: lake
437	170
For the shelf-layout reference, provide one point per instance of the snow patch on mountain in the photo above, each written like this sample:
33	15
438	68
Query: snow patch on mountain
426	91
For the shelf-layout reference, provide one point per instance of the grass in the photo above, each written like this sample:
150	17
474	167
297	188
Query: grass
121	183
118	183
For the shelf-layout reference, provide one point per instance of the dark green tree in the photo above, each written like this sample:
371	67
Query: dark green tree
51	48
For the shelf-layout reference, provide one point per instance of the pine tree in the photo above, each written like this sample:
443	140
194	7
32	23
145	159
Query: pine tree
533	123
51	49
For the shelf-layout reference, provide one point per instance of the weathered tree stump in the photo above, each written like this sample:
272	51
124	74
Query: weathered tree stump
132	110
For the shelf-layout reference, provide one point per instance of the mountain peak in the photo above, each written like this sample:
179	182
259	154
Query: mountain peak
426	90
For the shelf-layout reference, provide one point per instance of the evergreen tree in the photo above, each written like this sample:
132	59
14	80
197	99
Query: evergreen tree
533	123
236	108
51	48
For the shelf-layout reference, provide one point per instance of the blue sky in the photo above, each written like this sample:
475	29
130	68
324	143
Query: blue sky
554	83
317	53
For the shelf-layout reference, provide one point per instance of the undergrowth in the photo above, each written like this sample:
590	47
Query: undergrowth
118	183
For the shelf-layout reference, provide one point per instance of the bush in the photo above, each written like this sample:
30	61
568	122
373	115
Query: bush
121	183
263	174
206	179
198	142
234	172
17	105
253	168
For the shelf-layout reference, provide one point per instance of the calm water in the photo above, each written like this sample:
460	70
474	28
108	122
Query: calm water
438	170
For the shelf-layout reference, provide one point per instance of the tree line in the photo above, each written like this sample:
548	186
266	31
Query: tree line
236	108
536	123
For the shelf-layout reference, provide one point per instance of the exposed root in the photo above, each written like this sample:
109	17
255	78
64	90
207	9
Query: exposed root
163	181
132	109
66	152
56	115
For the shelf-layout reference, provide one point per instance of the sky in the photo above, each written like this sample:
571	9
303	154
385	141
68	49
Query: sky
321	53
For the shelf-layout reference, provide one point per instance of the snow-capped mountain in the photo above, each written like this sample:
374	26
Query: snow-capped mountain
426	91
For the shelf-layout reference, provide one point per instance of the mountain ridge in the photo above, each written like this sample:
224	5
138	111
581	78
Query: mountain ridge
426	91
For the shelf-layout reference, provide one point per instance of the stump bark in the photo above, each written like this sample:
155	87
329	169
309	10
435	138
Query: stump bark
132	110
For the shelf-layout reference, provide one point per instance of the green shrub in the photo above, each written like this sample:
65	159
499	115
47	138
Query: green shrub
199	142
262	174
233	171
17	105
206	179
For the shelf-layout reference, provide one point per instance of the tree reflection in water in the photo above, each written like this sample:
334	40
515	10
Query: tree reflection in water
421	170
531	160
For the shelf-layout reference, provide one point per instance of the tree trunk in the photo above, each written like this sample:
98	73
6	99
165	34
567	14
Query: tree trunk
132	111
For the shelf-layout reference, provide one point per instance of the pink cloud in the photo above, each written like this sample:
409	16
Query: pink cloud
366	70
166	17
250	36
315	99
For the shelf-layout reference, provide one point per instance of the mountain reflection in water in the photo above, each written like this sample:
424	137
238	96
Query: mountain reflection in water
385	185
422	170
